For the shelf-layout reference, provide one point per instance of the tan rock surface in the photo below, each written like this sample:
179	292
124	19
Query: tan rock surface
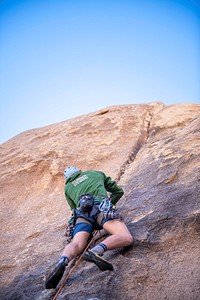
153	151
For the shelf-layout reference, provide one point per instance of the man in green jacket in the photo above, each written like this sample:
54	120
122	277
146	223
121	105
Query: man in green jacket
87	195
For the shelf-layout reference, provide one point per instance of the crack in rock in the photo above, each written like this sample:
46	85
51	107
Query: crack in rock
142	140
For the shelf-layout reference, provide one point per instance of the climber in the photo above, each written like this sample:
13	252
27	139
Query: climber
91	196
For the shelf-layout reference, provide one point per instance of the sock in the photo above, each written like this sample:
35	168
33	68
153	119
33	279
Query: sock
65	259
99	249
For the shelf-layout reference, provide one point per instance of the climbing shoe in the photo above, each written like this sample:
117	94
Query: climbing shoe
101	263
55	276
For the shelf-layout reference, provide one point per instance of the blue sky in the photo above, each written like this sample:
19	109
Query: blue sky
64	58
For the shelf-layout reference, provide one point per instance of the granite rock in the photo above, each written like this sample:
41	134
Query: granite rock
152	150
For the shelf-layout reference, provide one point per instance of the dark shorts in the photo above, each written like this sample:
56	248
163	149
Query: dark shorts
83	226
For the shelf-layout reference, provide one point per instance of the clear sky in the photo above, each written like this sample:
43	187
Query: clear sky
64	58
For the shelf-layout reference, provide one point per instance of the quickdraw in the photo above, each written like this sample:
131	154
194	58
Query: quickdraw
108	210
71	224
105	205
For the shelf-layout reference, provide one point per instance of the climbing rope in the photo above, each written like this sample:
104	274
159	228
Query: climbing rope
75	264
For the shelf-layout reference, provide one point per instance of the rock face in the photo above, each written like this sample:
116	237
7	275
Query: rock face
153	152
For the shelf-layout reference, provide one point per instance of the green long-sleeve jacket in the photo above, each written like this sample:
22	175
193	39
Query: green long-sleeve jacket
91	182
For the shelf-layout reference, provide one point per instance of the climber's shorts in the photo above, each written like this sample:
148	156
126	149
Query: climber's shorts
83	226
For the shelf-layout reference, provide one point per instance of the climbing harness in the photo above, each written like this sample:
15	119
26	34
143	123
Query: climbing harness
94	209
74	264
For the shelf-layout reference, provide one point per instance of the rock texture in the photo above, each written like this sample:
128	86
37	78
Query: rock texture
152	150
